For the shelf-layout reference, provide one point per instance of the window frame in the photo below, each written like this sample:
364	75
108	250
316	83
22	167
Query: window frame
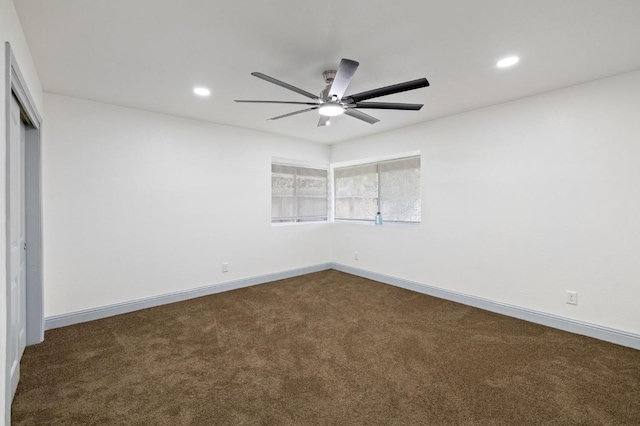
296	219
376	162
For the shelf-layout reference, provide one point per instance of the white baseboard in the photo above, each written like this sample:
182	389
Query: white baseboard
163	299
567	324
587	329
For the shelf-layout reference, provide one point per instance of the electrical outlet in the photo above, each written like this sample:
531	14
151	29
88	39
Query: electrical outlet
356	255
572	297
225	267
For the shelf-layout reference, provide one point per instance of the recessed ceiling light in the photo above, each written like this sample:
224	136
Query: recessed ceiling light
331	110
507	62
202	91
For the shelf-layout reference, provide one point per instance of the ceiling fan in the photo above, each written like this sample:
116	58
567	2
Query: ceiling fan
332	100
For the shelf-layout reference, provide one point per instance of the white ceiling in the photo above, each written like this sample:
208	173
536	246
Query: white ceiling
149	54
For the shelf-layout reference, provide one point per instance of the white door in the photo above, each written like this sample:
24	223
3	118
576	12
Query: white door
16	315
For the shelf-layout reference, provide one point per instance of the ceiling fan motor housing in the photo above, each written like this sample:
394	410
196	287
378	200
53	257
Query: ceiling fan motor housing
329	75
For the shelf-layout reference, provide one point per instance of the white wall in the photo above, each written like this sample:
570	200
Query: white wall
11	31
138	204
521	202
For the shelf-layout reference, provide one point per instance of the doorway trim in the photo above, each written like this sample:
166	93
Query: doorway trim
15	84
33	186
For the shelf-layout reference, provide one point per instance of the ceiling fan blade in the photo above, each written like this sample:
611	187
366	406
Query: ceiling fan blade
293	113
344	74
361	115
278	102
389	90
285	85
389	105
324	121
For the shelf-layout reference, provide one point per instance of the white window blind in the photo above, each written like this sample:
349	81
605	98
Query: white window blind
390	187
298	194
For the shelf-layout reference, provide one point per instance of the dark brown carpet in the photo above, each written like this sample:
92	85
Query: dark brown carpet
324	349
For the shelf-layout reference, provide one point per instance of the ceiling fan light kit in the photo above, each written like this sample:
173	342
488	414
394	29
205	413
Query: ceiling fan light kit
332	100
507	62
201	91
331	109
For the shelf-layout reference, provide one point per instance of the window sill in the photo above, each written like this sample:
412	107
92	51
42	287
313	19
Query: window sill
384	224
311	222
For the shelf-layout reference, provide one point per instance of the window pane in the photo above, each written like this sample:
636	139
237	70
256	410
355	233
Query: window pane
282	207
311	192
298	193
356	192
282	191
400	190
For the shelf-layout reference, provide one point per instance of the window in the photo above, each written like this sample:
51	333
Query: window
298	194
389	187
